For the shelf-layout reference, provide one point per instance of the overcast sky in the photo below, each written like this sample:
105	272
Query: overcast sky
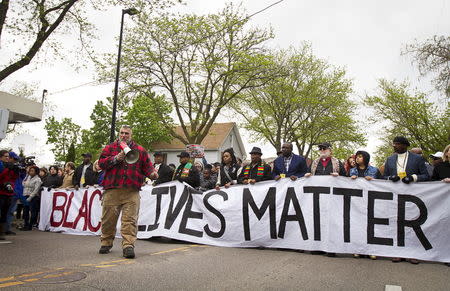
365	37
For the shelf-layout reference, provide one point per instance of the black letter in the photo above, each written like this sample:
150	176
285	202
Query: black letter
316	204
216	212
172	214
347	193
159	191
415	224
247	199
371	220
188	213
298	216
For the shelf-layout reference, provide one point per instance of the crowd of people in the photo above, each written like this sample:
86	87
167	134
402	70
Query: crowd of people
20	186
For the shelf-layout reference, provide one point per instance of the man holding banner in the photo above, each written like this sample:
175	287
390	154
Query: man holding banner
122	183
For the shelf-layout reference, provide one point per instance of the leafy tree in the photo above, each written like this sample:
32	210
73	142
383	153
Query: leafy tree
410	114
201	63
39	25
433	56
147	126
307	104
61	134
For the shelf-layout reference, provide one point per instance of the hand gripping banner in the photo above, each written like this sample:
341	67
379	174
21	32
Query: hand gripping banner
332	214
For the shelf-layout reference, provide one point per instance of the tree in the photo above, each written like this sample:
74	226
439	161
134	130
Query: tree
433	56
37	25
139	112
71	154
147	126
307	104
409	114
61	134
200	62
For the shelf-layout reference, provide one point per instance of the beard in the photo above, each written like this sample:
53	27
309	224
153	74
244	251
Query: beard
325	155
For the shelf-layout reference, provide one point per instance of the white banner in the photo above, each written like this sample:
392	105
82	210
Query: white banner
332	214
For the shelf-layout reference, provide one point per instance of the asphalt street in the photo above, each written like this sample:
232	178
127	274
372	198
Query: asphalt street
38	260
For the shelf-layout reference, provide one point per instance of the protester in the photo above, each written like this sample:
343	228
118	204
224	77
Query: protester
408	167
419	151
436	158
207	180
229	170
441	171
8	177
18	195
172	166
52	180
186	172
288	164
405	165
256	171
165	173
349	164
84	173
122	184
31	190
43	173
99	173
362	168
69	171
61	172
199	167
326	164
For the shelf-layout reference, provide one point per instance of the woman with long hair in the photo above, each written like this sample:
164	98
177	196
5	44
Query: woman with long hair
229	169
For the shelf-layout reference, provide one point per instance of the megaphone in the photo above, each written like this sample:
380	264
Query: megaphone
131	155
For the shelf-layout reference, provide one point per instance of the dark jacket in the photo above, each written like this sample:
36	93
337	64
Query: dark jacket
90	177
321	170
297	167
52	181
192	179
165	174
207	184
232	172
414	166
441	171
253	173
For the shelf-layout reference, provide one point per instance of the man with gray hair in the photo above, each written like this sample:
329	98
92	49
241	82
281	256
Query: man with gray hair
122	183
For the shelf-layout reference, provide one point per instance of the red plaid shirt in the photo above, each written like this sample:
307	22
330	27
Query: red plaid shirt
120	174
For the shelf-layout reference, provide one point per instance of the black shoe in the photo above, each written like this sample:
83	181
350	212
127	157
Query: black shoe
104	249
24	228
448	264
128	252
10	232
317	252
331	255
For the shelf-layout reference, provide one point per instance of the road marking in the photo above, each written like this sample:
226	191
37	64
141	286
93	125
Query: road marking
31	280
392	288
105	266
6	279
29	275
56	275
169	251
11	284
86	265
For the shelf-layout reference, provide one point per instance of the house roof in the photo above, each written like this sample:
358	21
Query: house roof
213	140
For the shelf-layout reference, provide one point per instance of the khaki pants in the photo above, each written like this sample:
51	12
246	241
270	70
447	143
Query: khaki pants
115	201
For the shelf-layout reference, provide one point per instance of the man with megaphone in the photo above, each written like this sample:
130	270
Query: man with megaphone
126	164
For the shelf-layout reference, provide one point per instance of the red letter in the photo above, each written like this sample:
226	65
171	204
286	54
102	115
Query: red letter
65	222
83	212
92	228
58	208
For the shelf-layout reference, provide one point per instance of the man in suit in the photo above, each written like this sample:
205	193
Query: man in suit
289	164
404	165
165	173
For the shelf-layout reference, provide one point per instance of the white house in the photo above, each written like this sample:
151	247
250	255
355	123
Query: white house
220	137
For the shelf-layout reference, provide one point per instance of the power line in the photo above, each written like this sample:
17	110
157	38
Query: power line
72	88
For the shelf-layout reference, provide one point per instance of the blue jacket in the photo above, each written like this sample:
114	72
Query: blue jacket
414	165
370	171
297	166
